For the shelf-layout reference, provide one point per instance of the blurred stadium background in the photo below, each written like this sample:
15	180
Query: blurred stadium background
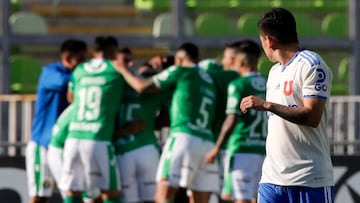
32	30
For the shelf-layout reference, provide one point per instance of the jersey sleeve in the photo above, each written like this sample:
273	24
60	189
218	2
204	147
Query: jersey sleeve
233	100
317	82
168	77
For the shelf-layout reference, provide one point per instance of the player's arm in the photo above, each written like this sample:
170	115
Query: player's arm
130	128
226	130
140	85
69	96
308	115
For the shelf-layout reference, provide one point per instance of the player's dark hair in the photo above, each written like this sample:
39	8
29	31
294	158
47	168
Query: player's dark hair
233	45
167	61
125	50
249	47
73	46
191	50
280	25
252	51
107	45
149	72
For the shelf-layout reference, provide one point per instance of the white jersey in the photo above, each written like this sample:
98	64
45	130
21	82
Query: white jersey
298	155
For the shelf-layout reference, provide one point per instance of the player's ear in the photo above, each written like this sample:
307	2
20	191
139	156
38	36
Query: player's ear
271	42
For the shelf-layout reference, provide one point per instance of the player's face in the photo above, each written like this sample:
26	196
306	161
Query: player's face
179	58
228	59
75	59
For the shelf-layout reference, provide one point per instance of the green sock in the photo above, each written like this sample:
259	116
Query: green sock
73	199
113	200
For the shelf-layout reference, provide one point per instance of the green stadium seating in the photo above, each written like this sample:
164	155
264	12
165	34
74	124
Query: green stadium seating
340	81
306	26
24	74
264	65
208	5
208	24
247	24
335	25
334	5
297	5
250	5
27	23
163	25
151	5
15	5
342	74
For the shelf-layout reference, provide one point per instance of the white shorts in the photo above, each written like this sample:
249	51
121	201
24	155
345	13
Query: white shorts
89	165
182	164
40	182
242	173
138	172
55	162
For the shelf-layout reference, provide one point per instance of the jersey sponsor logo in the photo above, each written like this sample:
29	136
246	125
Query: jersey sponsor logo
199	128
92	81
293	105
288	87
81	126
319	86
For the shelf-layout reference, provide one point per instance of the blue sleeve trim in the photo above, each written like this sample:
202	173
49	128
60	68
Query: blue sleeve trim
315	96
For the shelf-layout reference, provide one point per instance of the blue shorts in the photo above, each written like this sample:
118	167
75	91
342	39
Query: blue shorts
269	193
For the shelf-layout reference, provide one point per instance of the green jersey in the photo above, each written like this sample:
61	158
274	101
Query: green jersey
193	101
61	128
249	133
221	78
210	65
97	89
142	107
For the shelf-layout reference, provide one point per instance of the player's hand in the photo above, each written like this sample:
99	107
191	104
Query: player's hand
211	155
252	102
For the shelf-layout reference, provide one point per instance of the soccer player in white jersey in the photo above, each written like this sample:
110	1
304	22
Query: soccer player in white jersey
297	167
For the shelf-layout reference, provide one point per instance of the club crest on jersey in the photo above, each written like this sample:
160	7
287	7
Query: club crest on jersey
95	66
288	87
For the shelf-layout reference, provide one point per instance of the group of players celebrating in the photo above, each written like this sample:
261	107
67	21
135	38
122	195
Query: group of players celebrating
104	148
104	142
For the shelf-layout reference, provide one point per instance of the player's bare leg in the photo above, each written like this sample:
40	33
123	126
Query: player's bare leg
200	197
111	196
38	199
165	193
